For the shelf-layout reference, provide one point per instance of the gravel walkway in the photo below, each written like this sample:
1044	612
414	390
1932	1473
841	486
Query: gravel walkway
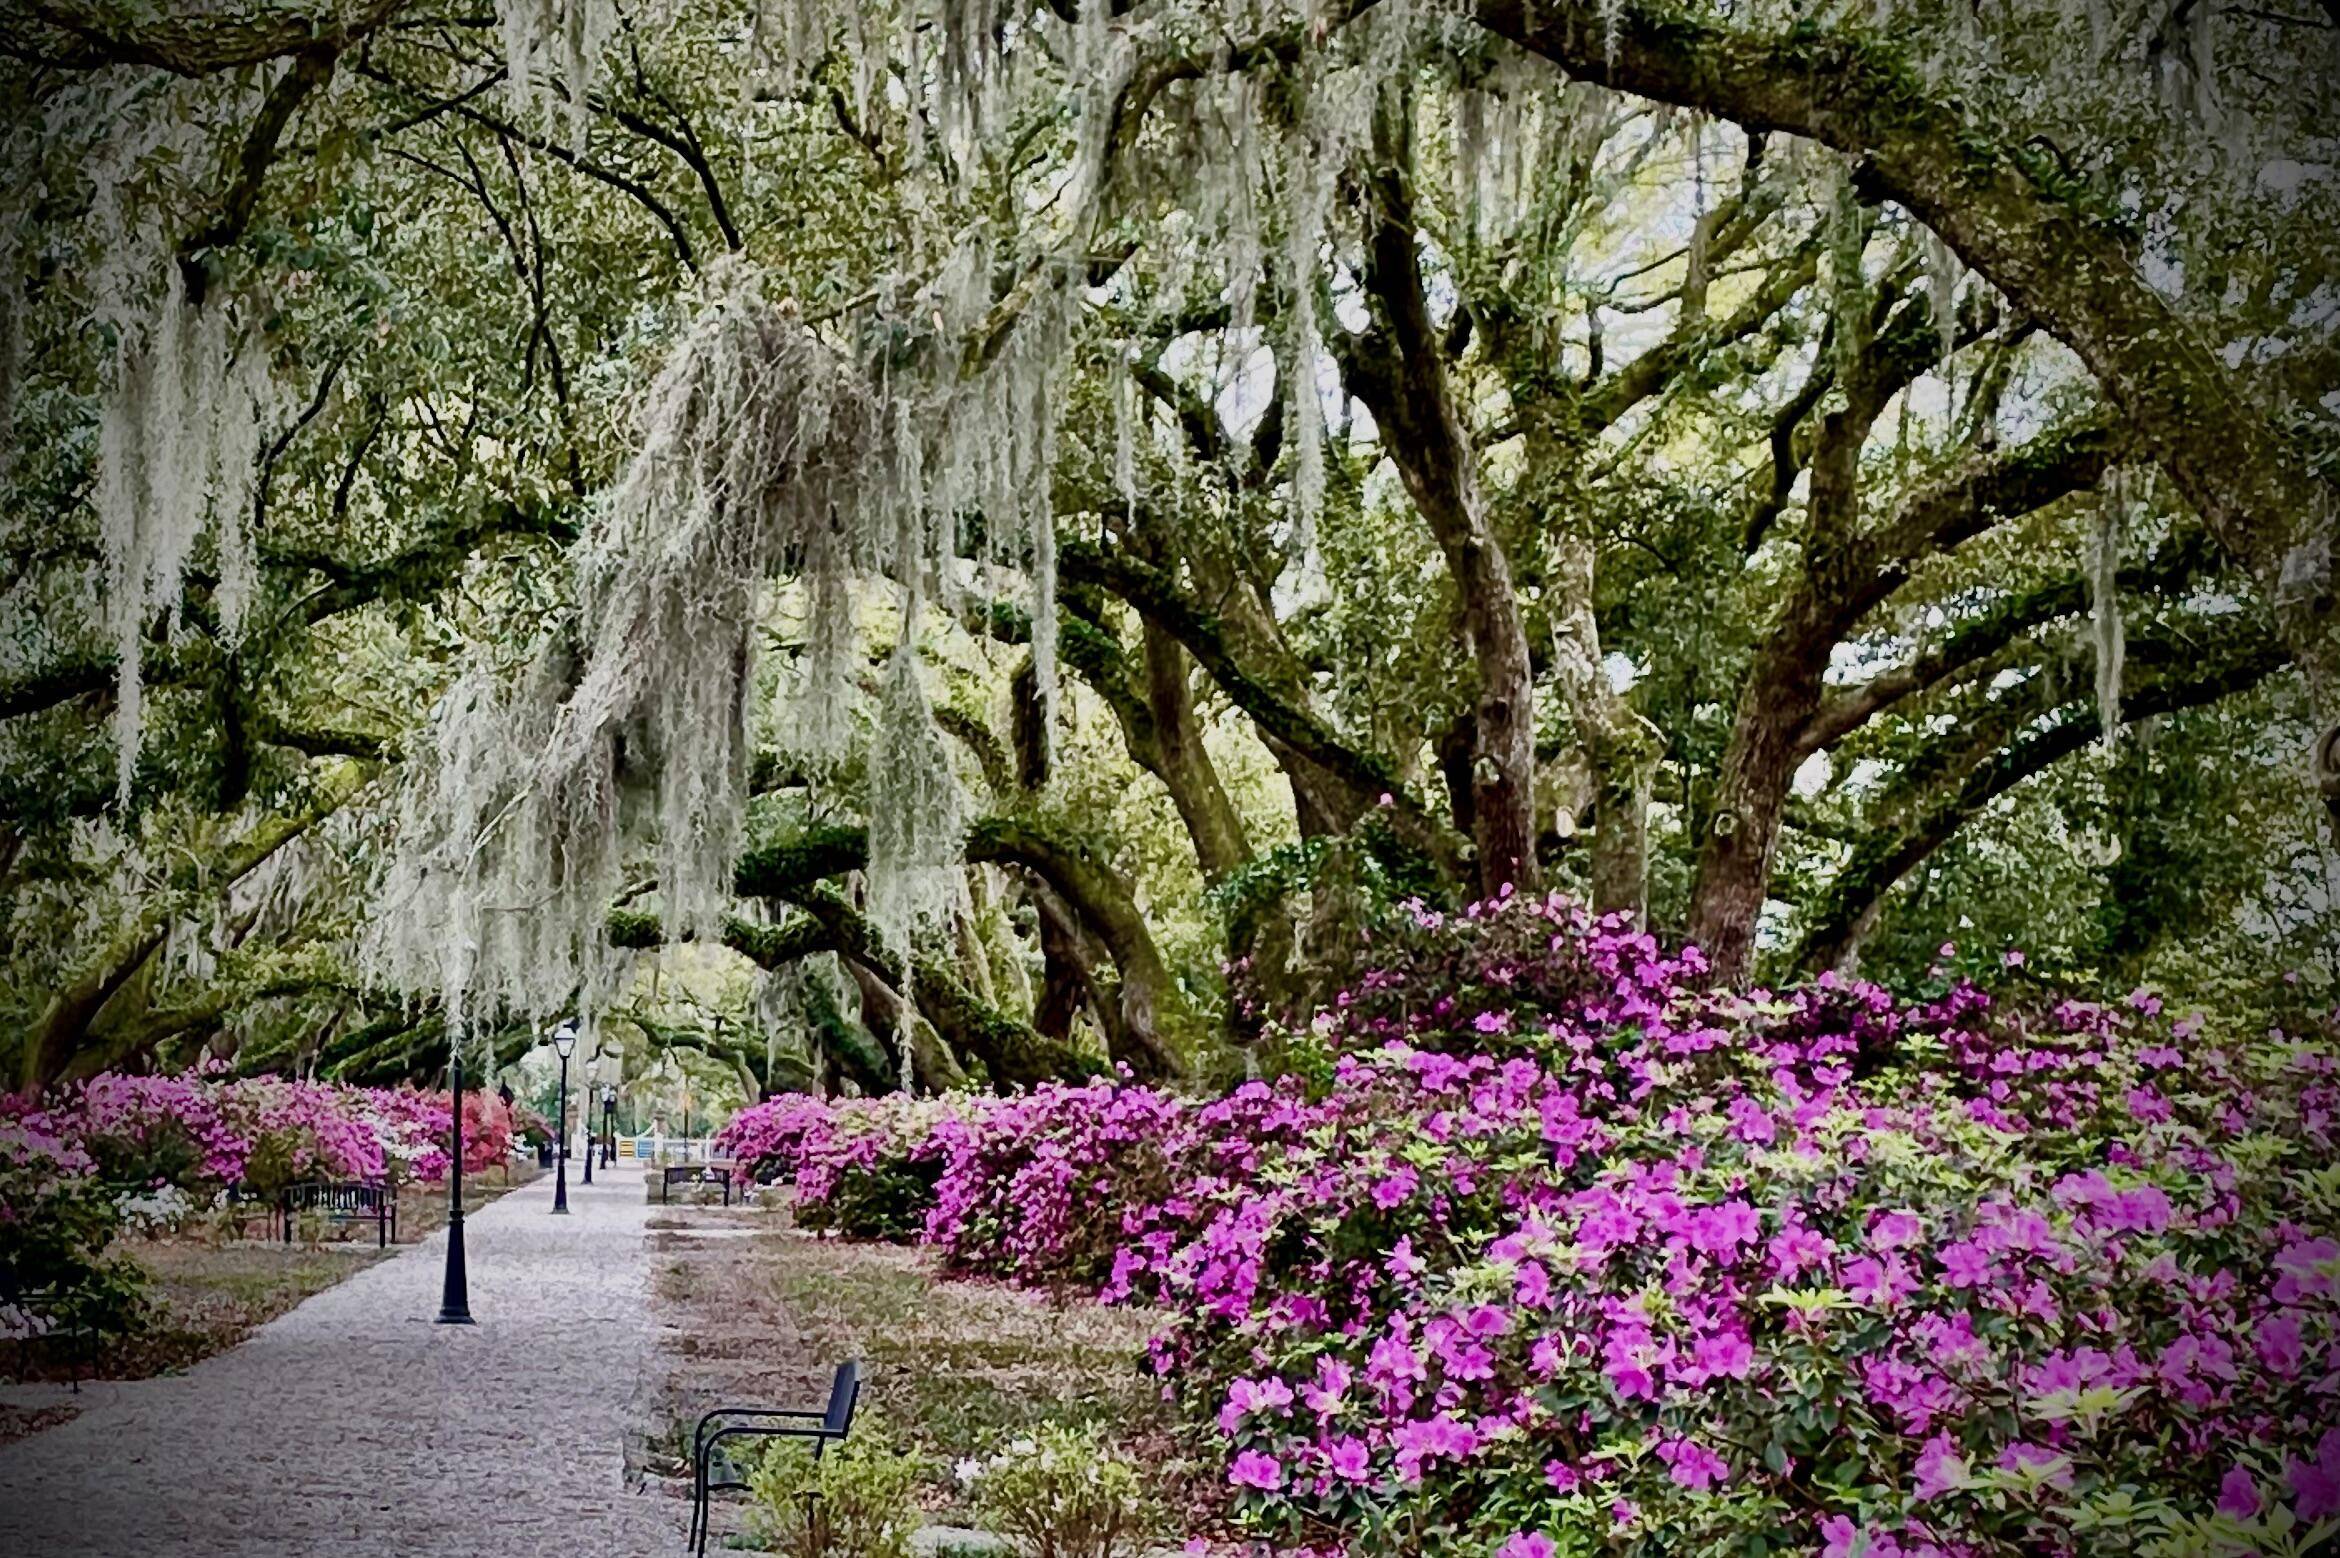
352	1426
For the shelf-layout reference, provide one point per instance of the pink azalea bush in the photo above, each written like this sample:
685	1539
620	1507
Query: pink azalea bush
57	1223
207	1132
300	1131
154	1147
769	1139
1560	1251
862	1167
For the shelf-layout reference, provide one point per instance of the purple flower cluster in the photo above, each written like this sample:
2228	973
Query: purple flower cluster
1562	1249
862	1166
204	1132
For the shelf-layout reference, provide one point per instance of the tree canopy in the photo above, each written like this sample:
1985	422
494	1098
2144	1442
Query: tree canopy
1031	527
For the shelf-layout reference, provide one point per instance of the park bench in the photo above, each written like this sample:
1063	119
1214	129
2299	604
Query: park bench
344	1203
825	1427
694	1174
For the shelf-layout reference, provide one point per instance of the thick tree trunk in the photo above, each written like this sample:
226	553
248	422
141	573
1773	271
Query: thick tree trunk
1624	770
1402	376
1620	749
1783	692
1148	999
1063	983
1187	772
1065	986
1742	832
190	37
1503	769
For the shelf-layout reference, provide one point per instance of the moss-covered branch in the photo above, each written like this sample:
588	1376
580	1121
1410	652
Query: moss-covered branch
1974	771
1011	1052
1151	1005
1156	596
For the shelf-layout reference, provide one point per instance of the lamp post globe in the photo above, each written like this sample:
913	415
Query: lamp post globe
564	1040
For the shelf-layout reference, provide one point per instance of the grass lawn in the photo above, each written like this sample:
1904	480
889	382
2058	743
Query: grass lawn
764	1312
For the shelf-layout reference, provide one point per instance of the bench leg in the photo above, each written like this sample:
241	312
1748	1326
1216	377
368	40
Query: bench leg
700	1496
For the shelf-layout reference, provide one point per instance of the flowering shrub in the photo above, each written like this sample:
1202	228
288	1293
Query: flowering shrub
1559	1250
1034	1186
153	1131
871	1175
203	1133
152	1213
864	1167
529	1127
300	1131
56	1224
769	1139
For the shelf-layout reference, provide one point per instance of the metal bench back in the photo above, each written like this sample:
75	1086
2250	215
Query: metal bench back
364	1200
844	1395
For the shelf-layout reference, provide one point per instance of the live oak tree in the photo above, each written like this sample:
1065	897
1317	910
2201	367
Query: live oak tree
1018	505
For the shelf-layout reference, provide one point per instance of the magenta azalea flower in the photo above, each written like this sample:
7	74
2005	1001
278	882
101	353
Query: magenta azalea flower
1251	1469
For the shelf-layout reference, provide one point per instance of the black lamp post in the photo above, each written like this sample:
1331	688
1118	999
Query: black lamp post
608	1124
455	1291
585	1118
564	1040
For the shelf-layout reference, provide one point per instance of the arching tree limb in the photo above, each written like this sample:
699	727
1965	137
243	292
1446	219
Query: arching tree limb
1884	857
51	1042
185	37
308	73
1150	1004
1010	1051
2058	249
1154	595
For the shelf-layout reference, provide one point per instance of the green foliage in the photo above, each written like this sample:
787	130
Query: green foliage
888	1200
460	317
857	1499
58	1221
1060	1492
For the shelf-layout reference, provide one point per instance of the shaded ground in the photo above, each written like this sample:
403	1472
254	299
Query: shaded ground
761	1312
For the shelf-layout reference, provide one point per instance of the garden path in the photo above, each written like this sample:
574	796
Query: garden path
352	1426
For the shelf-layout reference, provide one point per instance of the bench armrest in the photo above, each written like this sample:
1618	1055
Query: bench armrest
703	1471
758	1414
